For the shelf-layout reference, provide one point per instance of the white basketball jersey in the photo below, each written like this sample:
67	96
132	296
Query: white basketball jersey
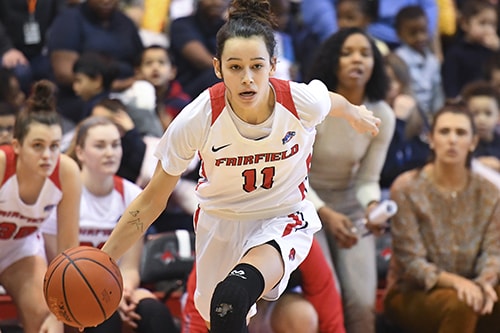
243	178
99	214
18	219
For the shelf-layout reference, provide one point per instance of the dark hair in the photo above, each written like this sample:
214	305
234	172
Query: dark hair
248	18
40	108
169	54
408	13
369	8
112	104
471	8
5	76
456	108
326	64
7	109
81	133
479	88
94	65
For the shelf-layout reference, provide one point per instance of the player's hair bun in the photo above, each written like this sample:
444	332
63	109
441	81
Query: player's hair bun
42	97
255	9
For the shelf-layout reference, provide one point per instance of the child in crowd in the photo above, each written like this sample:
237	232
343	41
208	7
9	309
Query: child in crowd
359	14
157	67
8	114
484	104
408	148
93	76
425	69
465	60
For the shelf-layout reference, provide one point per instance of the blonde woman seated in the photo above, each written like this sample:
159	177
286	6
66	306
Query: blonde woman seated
446	261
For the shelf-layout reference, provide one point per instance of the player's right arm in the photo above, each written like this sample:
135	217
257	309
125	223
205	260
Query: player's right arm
141	213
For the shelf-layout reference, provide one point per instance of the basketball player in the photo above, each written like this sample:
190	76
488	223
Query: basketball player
254	135
96	147
35	180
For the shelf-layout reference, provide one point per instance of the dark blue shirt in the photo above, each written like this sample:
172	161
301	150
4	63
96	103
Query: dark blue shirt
491	148
78	29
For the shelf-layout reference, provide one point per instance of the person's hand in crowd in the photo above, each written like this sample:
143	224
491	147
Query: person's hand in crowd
403	106
469	292
491	41
123	120
375	228
13	57
339	225
490	298
127	307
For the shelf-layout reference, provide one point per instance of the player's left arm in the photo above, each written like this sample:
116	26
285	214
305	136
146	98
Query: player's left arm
358	116
68	209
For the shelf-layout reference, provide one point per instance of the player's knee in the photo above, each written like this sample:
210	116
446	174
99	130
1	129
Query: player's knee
233	298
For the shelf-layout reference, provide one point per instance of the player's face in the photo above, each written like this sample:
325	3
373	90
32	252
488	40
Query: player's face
245	67
156	67
452	138
486	114
41	148
355	62
7	129
102	150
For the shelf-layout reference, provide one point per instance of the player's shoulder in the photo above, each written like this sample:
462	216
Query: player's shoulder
68	167
3	164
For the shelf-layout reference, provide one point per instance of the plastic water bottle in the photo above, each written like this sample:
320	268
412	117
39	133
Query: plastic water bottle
379	215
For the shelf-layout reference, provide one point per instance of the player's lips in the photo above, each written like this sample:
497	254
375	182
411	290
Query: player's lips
249	94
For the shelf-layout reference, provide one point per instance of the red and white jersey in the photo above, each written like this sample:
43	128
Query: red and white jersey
99	214
18	219
243	178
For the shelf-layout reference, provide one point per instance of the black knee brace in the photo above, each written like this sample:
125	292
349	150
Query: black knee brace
233	297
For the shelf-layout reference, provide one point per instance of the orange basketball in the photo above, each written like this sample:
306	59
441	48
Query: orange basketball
83	286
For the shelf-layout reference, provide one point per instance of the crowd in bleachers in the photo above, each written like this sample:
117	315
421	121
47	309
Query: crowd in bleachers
429	69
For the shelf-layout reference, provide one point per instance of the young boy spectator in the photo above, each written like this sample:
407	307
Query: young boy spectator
157	67
424	66
465	59
484	104
93	77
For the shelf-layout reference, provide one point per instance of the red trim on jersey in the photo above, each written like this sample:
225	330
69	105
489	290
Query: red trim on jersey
10	162
281	88
10	166
284	95
54	177
196	216
217	99
118	181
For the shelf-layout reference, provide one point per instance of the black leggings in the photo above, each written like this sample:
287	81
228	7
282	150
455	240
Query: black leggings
156	318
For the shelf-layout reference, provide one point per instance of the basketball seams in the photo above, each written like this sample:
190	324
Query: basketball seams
81	270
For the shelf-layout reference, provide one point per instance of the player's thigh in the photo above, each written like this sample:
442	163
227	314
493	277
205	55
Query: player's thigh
23	281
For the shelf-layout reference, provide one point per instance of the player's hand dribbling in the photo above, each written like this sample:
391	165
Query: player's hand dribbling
366	122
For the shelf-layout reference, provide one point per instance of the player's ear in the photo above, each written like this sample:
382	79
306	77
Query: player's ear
217	68
274	60
16	145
